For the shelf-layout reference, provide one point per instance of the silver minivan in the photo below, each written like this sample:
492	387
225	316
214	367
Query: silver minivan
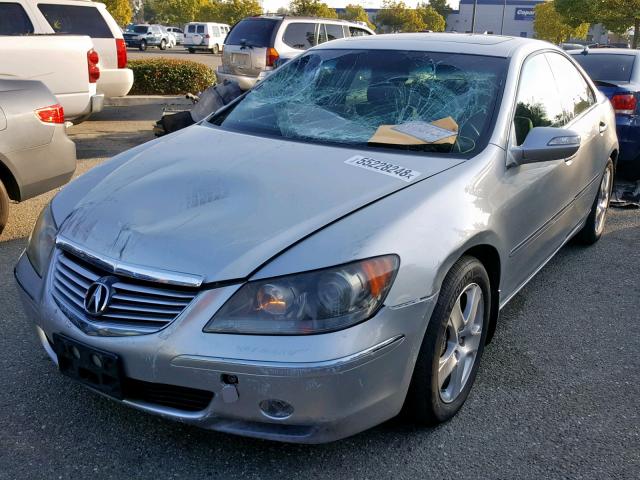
255	44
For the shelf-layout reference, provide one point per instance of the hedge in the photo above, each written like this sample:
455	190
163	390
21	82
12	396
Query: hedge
161	76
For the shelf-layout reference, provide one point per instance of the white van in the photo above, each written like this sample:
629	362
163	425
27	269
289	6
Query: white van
205	36
75	17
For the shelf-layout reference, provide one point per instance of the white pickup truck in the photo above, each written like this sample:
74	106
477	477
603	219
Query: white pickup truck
66	64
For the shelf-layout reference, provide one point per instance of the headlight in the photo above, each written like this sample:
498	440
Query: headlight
310	302
42	240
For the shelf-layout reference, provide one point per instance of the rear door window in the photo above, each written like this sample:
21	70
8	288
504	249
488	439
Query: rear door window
14	20
300	35
191	29
215	31
76	20
200	28
334	32
574	90
358	32
255	32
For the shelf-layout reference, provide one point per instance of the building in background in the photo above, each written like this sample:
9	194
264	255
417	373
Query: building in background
506	17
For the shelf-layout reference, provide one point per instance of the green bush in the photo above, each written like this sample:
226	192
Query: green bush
162	76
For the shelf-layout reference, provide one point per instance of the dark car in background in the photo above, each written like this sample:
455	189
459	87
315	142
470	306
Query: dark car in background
616	73
143	36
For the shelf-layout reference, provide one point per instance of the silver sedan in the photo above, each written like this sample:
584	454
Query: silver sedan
331	248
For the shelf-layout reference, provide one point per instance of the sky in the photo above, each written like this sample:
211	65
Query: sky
273	5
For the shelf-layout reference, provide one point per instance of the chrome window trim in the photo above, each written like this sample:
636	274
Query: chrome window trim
129	270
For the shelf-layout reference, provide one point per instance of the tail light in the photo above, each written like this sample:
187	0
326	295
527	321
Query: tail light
624	104
92	63
207	36
121	51
272	56
51	114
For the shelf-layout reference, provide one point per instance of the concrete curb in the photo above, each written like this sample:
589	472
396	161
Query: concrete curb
134	100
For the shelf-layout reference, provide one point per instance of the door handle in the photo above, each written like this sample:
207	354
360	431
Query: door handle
603	127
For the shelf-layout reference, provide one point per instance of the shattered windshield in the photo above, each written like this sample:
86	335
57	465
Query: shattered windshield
438	102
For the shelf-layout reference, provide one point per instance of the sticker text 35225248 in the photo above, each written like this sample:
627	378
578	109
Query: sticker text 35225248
386	168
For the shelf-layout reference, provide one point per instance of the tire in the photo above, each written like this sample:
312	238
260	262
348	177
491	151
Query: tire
143	45
163	44
435	397
191	50
4	206
215	50
593	228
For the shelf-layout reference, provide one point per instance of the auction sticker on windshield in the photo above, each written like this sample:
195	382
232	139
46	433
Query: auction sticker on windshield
386	168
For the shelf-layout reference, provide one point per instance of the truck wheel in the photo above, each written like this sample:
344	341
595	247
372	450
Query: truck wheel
143	45
4	206
163	44
191	50
216	49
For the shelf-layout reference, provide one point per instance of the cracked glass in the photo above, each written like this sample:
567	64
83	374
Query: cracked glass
373	98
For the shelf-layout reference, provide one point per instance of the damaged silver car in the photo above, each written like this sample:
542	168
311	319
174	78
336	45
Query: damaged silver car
330	248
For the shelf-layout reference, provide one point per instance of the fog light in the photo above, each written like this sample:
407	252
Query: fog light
273	408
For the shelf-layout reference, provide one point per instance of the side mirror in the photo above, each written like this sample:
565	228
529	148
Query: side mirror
545	144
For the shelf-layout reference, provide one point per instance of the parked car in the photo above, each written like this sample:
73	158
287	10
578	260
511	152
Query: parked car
178	33
35	153
370	207
256	45
206	36
172	42
143	36
67	64
616	72
75	17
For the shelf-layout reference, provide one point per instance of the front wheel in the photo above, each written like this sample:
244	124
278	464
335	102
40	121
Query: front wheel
4	206
593	228
453	344
143	45
163	44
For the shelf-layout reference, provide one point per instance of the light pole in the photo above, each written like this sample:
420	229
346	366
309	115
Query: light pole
504	9
473	16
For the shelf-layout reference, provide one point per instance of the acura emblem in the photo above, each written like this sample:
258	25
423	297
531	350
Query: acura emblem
98	296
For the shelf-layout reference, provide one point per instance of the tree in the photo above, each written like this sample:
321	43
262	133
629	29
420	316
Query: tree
432	19
229	11
311	8
356	13
551	26
441	6
616	15
396	17
174	12
120	10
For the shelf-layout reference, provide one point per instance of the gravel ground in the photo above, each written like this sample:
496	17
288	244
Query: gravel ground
556	396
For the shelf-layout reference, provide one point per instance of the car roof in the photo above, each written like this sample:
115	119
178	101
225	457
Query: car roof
605	51
478	44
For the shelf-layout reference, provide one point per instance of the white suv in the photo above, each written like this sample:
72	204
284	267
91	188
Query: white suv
255	44
76	17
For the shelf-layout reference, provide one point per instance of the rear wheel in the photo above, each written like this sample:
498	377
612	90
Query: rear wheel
4	206
453	344
191	50
143	45
163	44
215	49
593	228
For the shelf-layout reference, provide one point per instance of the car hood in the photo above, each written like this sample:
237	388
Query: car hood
219	204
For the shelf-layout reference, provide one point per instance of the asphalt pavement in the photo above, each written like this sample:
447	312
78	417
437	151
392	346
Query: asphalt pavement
557	395
177	52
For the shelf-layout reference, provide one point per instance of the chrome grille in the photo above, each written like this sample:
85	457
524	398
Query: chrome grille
135	307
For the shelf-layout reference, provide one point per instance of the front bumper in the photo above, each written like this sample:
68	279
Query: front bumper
338	384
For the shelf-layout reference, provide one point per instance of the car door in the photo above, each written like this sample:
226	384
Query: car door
541	195
583	117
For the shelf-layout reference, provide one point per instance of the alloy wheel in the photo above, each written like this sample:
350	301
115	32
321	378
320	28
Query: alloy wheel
603	200
461	342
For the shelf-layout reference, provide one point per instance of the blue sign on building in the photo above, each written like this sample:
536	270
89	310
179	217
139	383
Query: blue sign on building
525	13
